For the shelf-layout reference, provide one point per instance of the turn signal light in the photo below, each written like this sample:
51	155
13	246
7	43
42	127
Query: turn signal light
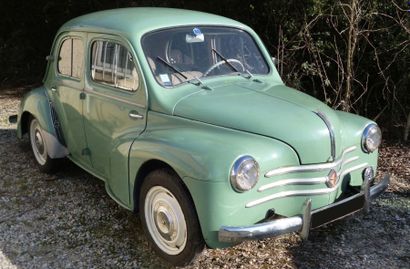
331	179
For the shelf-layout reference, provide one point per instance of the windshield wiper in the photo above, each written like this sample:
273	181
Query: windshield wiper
225	60
172	67
247	74
197	82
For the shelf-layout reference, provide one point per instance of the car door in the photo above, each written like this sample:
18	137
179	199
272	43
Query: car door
66	92
114	110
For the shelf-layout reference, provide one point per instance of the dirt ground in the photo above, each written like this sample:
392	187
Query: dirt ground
67	220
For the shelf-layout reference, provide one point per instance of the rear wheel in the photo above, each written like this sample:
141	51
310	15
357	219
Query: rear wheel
39	147
169	218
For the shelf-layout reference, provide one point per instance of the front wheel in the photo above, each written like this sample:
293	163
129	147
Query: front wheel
169	218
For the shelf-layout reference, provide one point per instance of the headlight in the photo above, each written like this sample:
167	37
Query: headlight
244	173
372	136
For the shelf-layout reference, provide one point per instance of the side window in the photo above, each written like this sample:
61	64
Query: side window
112	64
70	58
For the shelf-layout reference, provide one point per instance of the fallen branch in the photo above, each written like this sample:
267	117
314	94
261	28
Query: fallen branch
380	113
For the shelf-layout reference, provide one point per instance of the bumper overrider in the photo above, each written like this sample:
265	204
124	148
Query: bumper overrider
309	219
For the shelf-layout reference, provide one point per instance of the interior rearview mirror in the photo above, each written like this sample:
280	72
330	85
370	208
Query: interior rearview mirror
194	38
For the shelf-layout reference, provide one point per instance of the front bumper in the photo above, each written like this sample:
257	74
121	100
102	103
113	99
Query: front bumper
309	219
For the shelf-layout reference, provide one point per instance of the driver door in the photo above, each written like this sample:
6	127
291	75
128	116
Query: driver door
114	110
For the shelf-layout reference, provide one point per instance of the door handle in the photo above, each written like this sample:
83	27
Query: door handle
135	115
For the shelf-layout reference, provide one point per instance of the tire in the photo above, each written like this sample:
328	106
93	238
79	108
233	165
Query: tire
173	228
39	147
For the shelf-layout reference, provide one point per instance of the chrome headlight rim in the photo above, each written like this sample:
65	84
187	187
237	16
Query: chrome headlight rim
239	164
367	131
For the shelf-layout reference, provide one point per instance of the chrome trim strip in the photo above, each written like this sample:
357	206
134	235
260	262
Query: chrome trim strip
354	158
351	169
109	96
331	133
293	181
302	181
309	167
284	194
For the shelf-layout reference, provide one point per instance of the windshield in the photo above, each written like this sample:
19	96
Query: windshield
182	54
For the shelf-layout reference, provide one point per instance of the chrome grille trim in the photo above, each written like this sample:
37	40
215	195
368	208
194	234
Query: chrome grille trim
352	159
289	193
293	181
351	169
303	181
284	194
309	167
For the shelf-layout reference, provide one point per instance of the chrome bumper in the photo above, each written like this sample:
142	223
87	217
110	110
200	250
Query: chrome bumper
309	219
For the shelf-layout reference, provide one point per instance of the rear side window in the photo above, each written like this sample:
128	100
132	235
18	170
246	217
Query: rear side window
70	58
112	64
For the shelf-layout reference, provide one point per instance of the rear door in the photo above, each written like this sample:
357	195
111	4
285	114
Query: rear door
66	90
114	110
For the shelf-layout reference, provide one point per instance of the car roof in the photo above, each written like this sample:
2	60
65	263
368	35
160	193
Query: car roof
137	21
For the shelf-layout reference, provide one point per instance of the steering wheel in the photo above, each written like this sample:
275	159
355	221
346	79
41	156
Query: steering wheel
210	69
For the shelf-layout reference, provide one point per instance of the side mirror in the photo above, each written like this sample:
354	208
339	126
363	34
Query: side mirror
275	61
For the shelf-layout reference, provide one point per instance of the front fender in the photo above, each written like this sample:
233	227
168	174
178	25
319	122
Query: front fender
352	131
201	151
352	128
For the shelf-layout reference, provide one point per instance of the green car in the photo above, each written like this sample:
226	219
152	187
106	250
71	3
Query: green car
184	117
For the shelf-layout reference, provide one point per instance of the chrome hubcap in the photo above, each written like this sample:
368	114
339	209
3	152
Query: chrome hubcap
164	223
37	142
165	220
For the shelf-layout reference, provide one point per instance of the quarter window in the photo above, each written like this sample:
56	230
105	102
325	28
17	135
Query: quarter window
70	58
112	64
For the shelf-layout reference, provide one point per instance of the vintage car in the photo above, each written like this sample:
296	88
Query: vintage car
184	117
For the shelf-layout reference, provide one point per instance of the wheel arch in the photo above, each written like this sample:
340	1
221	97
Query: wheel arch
36	104
24	122
146	168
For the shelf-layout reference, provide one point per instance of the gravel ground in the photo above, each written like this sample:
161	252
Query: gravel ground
67	220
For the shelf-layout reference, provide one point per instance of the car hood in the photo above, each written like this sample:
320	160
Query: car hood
277	111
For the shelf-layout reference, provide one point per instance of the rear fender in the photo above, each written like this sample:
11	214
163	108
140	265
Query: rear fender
36	104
